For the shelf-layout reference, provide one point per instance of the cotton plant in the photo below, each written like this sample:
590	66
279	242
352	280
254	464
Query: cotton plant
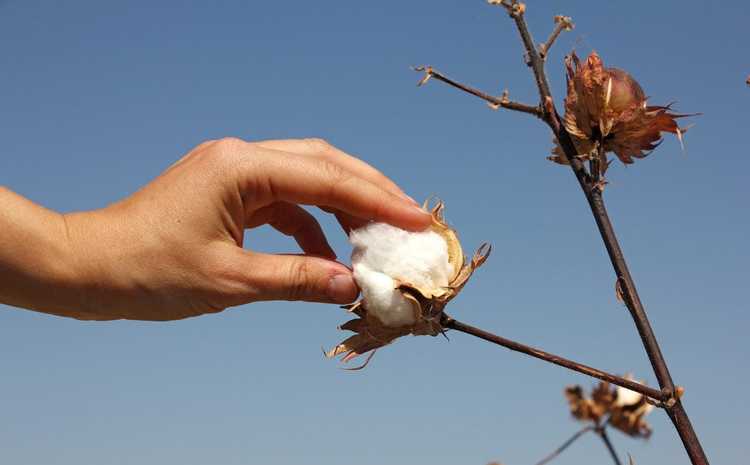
406	282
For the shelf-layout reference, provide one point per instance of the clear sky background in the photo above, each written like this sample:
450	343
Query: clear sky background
97	98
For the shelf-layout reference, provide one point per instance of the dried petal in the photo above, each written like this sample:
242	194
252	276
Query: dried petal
581	408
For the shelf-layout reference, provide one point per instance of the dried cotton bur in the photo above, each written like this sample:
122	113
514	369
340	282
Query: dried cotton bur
606	110
406	279
618	407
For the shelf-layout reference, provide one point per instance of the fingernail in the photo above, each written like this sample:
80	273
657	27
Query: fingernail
342	289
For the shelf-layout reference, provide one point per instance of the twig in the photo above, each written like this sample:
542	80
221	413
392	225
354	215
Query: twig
450	323
602	432
516	10
566	444
593	194
494	102
562	23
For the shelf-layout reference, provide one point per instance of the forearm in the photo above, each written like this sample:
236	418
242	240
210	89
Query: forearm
38	271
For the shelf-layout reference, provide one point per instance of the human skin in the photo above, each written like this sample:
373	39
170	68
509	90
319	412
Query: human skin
174	249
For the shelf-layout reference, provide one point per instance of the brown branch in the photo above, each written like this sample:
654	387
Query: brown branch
566	444
596	171
593	194
602	432
562	23
673	406
494	102
516	11
450	323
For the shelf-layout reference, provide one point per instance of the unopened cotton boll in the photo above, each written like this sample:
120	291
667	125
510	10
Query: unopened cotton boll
385	256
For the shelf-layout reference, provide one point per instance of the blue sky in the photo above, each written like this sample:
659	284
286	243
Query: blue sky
99	97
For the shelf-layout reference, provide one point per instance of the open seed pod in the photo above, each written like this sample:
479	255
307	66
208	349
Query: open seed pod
410	301
619	407
607	107
628	413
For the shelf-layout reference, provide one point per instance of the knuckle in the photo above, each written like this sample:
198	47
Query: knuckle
198	152
230	140
224	156
300	280
206	144
334	174
228	145
337	182
226	283
317	144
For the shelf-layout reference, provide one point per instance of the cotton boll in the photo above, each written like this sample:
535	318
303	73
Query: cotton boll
407	279
385	256
627	397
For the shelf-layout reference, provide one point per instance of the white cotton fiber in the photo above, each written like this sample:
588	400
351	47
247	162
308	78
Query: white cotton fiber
627	397
384	254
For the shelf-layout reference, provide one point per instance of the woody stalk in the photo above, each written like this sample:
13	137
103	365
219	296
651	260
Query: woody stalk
605	112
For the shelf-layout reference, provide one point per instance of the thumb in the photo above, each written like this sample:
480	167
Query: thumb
298	277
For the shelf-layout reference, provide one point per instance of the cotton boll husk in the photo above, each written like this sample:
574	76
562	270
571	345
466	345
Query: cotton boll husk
385	256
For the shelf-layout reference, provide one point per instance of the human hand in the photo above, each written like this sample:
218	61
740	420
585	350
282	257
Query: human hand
174	249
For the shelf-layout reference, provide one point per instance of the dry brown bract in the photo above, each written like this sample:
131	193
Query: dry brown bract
607	106
618	407
428	304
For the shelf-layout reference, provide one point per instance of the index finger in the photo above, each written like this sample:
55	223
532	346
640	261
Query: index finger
273	175
321	148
